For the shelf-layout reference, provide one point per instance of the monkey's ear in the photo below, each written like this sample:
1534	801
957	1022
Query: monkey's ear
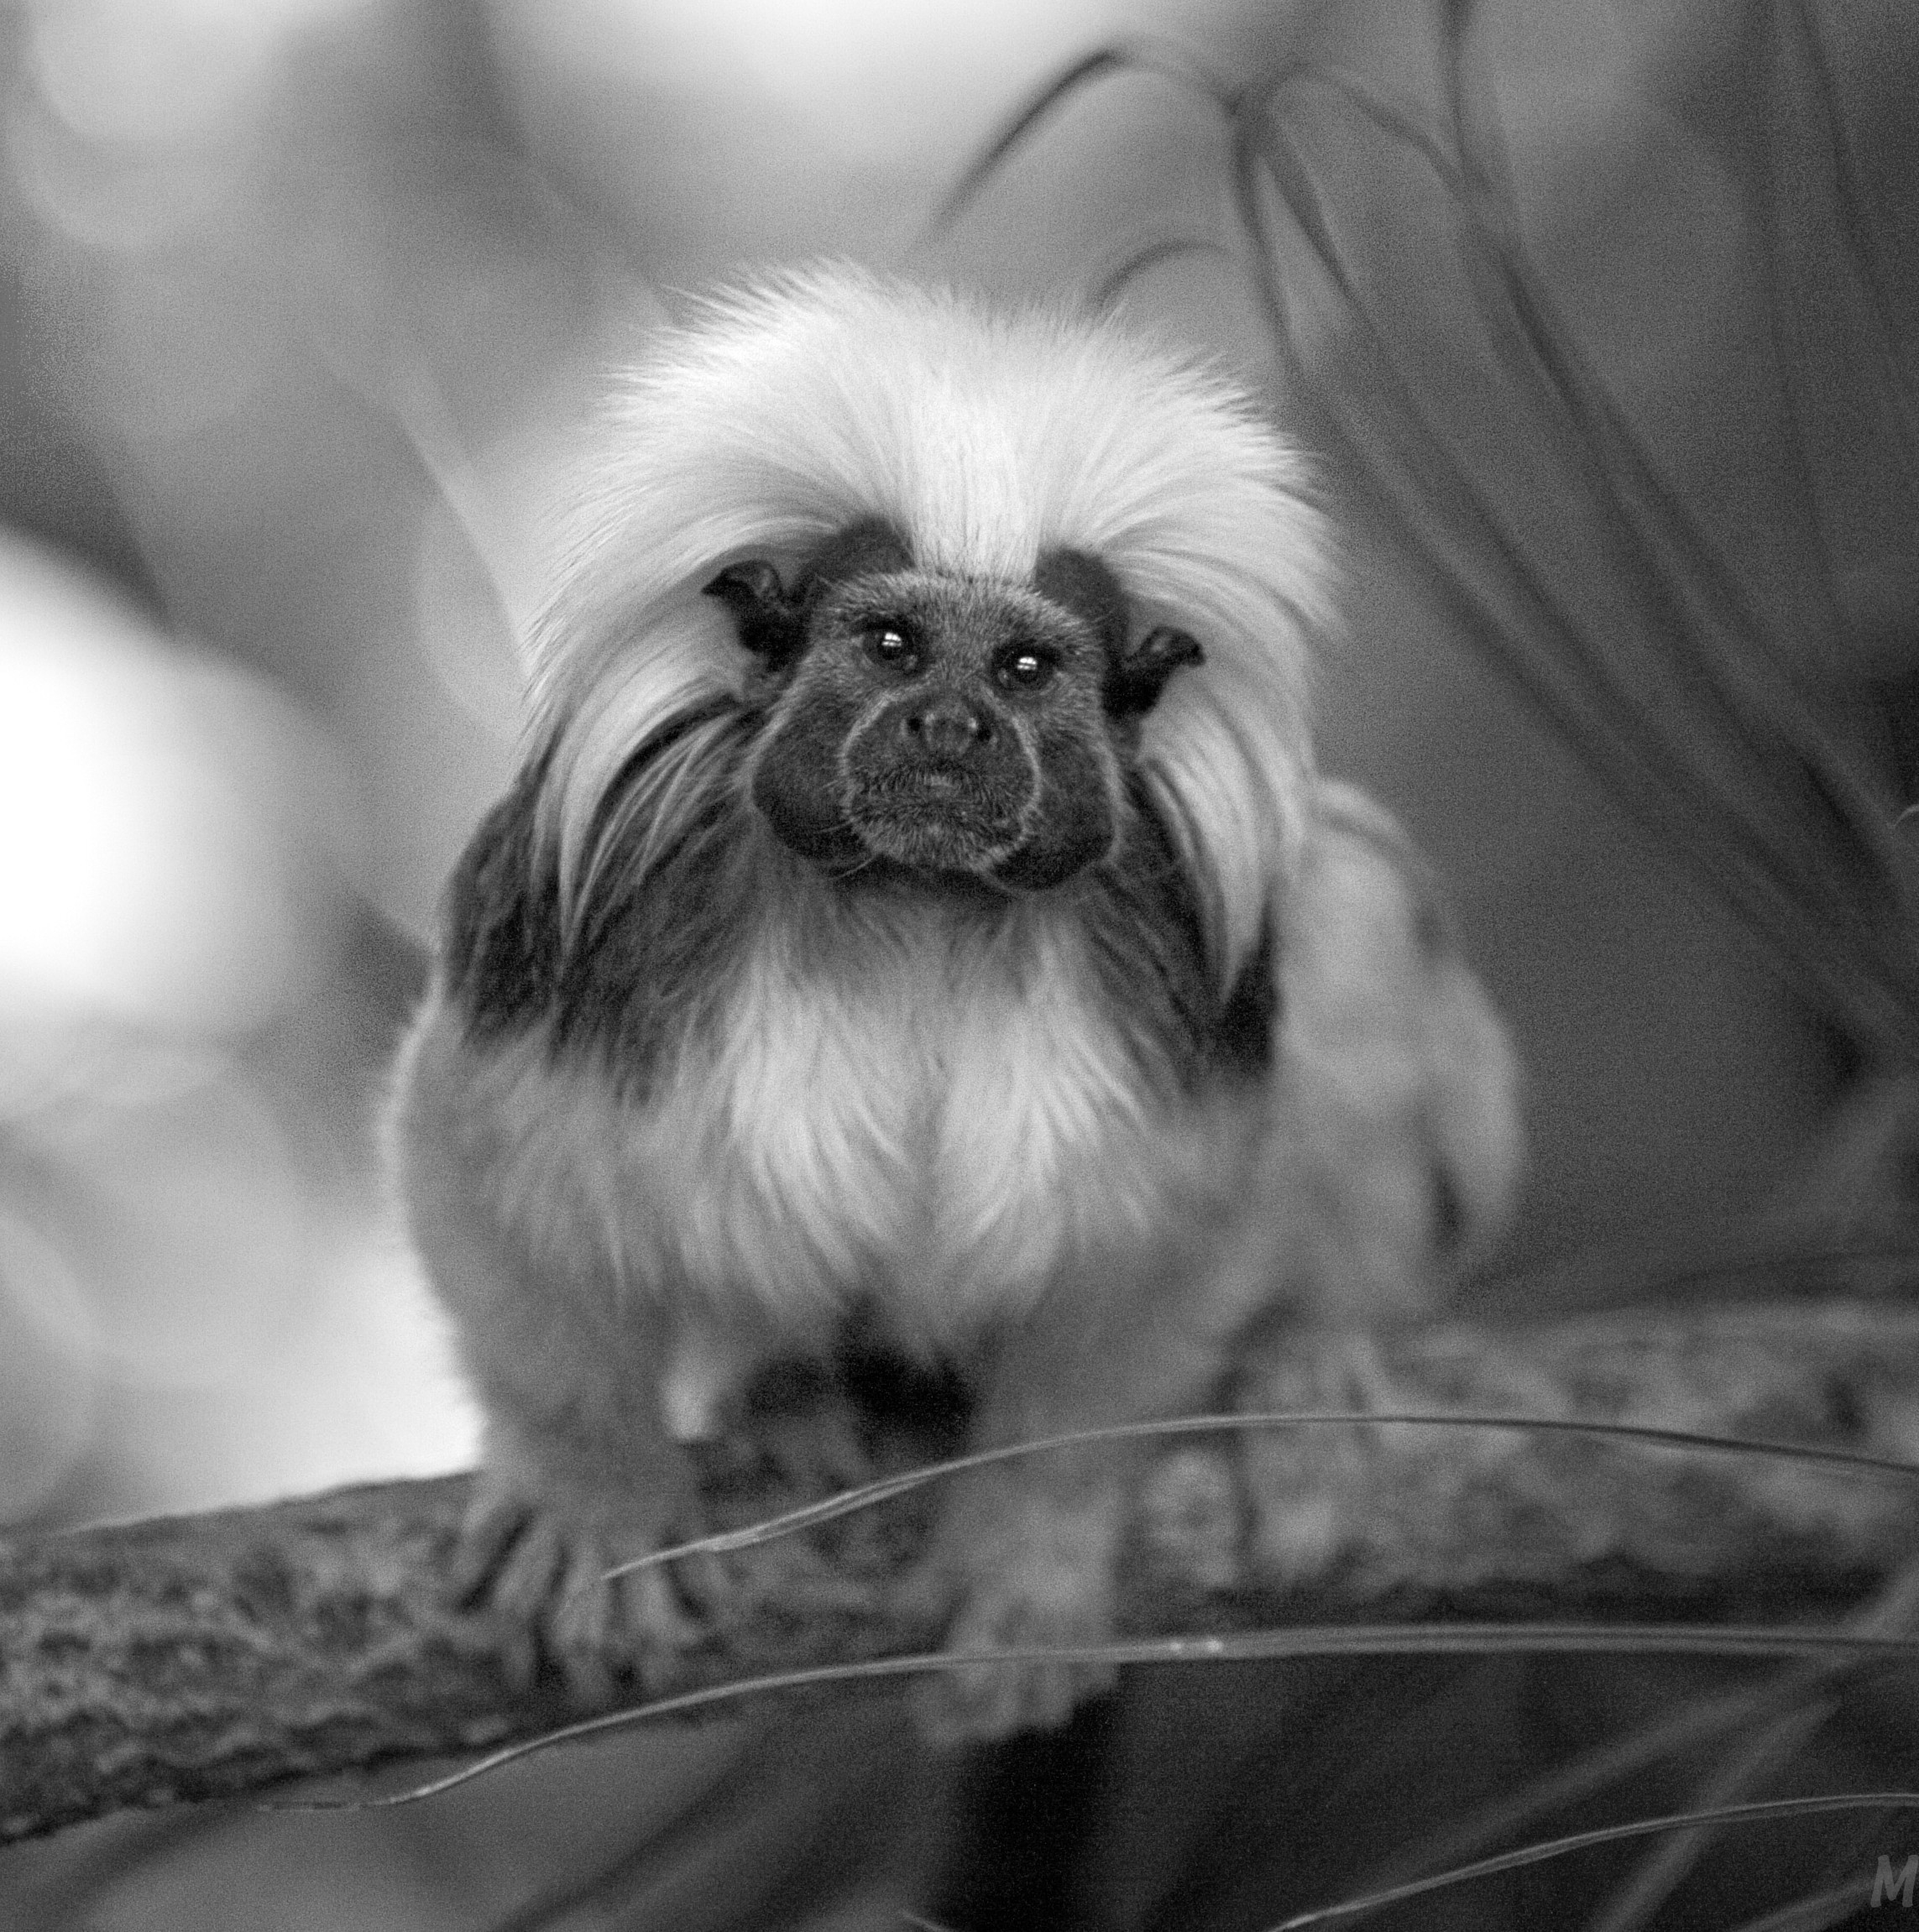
770	623
1136	680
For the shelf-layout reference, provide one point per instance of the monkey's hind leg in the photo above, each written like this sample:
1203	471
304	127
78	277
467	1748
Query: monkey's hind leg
1023	1567
1026	1552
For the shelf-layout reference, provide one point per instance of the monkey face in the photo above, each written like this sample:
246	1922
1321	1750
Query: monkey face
947	726
943	724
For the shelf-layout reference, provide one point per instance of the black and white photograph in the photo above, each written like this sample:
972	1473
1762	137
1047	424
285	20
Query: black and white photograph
959	965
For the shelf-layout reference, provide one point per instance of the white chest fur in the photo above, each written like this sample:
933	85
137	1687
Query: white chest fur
932	1125
936	1119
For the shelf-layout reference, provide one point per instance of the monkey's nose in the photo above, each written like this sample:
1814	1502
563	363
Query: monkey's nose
947	727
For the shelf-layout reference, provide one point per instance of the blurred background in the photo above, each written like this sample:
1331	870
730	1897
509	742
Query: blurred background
301	303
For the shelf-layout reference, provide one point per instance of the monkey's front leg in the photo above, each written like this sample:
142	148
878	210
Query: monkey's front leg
1026	1550
579	1470
570	1491
537	1544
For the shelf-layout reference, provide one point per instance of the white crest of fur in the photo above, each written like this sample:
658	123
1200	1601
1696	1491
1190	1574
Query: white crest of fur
987	437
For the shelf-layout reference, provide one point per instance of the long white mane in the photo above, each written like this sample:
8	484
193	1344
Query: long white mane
987	437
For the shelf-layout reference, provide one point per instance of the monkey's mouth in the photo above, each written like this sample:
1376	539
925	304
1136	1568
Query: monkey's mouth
938	817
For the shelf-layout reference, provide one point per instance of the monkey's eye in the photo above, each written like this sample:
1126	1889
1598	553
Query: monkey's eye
1027	667
892	646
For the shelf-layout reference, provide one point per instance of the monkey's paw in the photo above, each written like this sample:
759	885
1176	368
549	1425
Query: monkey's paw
1041	1581
544	1575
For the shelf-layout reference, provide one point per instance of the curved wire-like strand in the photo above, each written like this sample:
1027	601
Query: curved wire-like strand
1848	199
1778	889
1392	118
1569	684
1785	322
1700	1721
1235	1647
1760	1812
1106	288
1588	712
1140	54
1663	1868
1706	617
809	1516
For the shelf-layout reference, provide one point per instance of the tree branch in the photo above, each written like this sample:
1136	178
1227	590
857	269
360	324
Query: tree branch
210	1656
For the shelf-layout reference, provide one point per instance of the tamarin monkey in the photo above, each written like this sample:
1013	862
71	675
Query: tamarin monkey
917	917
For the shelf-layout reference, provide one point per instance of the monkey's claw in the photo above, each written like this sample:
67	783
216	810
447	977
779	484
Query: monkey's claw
545	1578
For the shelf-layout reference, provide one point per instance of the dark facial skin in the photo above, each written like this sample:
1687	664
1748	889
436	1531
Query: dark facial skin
945	724
946	727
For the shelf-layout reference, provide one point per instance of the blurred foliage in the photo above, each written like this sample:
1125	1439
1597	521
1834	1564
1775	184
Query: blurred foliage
1599	317
1598	321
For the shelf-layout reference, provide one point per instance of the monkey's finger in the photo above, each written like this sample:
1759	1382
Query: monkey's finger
494	1520
652	1617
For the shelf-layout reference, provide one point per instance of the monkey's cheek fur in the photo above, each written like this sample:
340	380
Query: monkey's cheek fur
1074	821
794	788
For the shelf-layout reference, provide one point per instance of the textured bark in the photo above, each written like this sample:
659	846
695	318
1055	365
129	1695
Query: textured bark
202	1657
